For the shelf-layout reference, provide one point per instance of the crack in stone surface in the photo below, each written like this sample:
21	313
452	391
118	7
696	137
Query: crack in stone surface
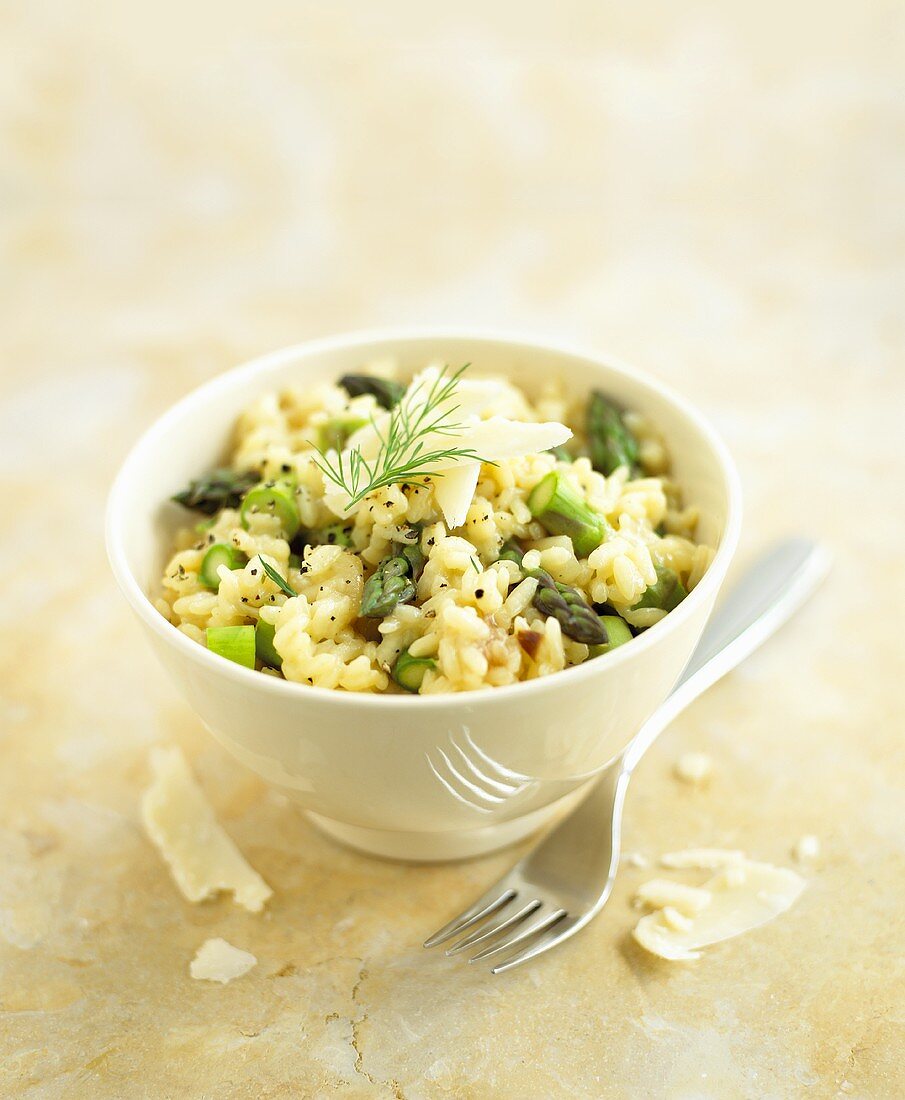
356	1022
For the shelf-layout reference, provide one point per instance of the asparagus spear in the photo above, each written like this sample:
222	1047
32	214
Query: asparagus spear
265	650
387	392
274	498
571	610
618	633
333	534
221	553
408	671
667	593
416	559
235	643
221	488
332	434
610	442
558	506
511	551
389	585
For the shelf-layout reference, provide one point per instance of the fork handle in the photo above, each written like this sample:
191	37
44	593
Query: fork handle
769	593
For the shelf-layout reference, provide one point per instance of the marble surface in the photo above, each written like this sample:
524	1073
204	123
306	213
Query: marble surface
712	191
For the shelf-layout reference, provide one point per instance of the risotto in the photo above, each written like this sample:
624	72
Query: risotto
449	534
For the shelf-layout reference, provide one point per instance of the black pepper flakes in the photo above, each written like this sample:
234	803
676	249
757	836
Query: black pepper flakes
479	592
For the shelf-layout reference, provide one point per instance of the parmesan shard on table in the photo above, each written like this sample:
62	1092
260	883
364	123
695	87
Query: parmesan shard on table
744	895
661	893
202	857
694	768
216	960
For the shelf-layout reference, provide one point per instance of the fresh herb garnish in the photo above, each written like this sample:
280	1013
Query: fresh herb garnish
278	580
402	455
221	488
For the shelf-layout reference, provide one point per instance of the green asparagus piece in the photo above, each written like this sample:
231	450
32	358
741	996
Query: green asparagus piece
559	508
235	643
667	593
617	632
611	443
221	553
416	559
511	551
334	534
571	610
275	498
387	392
390	584
264	647
408	671
332	435
221	488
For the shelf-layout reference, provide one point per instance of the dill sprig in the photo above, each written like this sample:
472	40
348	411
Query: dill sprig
402	455
279	580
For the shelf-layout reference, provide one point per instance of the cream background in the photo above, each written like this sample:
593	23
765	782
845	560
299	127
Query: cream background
713	191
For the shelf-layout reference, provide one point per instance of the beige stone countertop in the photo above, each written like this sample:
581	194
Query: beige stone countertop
712	191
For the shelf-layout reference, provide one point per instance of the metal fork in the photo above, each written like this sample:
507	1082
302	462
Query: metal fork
562	884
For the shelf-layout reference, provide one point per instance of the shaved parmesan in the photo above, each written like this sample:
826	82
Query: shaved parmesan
454	492
701	859
675	920
694	767
660	892
201	856
807	848
743	896
218	961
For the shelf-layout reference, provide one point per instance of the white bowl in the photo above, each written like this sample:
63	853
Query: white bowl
411	777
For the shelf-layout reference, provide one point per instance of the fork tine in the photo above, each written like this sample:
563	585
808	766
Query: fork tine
562	930
538	926
481	908
494	929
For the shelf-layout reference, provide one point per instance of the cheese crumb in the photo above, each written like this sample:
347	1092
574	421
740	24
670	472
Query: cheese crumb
701	859
636	859
675	920
806	848
743	896
201	856
694	767
218	961
659	893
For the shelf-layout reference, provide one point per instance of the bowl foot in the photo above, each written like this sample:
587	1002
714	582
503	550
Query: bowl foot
454	844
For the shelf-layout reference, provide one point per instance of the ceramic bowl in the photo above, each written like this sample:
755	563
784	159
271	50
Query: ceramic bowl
410	777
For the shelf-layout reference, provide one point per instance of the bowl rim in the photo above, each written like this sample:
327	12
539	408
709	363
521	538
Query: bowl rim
141	603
